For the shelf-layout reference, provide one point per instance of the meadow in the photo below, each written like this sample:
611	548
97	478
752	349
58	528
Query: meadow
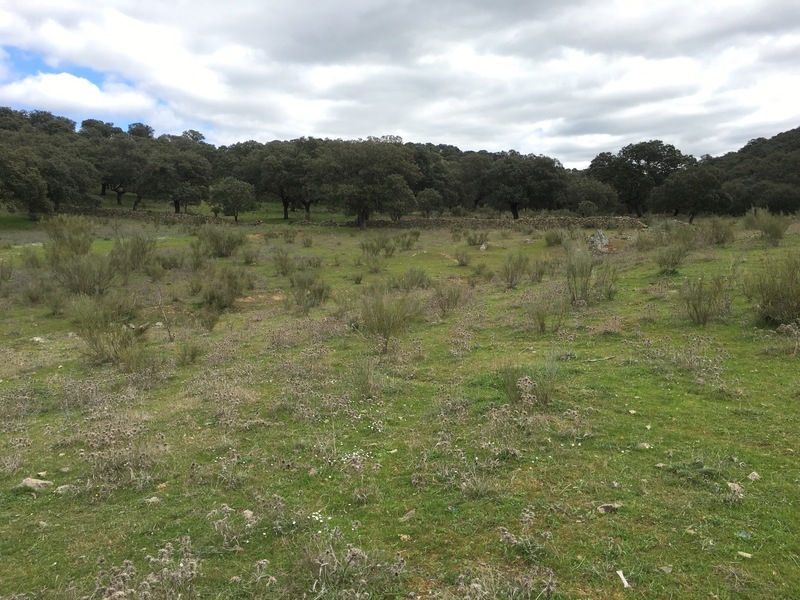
298	410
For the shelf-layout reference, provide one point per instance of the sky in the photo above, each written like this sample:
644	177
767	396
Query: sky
567	79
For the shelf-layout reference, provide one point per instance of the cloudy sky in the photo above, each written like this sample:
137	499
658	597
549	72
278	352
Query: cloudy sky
569	79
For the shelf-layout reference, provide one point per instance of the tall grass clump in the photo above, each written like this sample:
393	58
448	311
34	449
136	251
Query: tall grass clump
223	287
476	238
772	226
446	297
219	242
579	267
108	332
670	258
132	253
705	298
307	290
284	264
387	315
68	236
463	257
90	274
546	307
775	290
555	237
513	269
378	245
414	278
717	231
406	240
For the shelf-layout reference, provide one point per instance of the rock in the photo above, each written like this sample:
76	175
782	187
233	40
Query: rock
64	470
66	490
643	446
744	554
38	340
35	485
605	509
666	569
660	466
483	248
598	242
152	500
754	476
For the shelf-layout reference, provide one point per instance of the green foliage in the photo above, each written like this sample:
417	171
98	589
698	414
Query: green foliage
132	253
388	315
375	245
513	269
546	307
463	257
772	226
555	237
218	241
222	287
579	267
476	238
717	231
307	290
67	236
189	352
90	274
446	297
406	240
670	258
108	332
308	240
413	278
775	290
283	261
233	196
705	298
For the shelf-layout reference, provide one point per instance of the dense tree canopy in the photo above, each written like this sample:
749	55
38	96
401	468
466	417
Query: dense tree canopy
47	165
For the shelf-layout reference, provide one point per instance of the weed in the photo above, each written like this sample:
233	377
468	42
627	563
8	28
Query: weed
546	307
406	240
284	264
132	253
717	231
288	235
6	270
188	353
775	290
388	315
513	269
307	291
223	287
308	240
446	297
555	237
249	254
580	265
670	258
463	257
219	242
772	226
704	298
476	238
108	334
414	278
378	245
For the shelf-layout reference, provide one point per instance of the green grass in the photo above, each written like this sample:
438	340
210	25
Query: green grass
413	448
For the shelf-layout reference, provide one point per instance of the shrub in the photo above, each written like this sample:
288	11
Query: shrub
605	282
109	335
380	244
223	287
513	269
6	270
307	291
671	257
31	259
537	270
373	262
546	307
406	240
579	274
289	235
717	231
647	240
219	242
463	257
188	353
249	254
169	260
587	208
555	237
447	297
772	226
476	238
67	236
90	274
413	278
284	265
775	289
308	240
308	261
387	315
132	253
197	255
704	299
509	375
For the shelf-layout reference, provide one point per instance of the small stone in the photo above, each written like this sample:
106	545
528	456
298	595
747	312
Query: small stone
65	469
632	412
483	248
660	466
35	485
605	509
152	500
43	524
666	569
754	476
312	472
408	515
38	340
42	474
643	446
735	488
66	490
744	554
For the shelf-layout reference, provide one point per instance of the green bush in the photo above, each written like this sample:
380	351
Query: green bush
446	297
580	265
68	236
604	286
284	264
717	231
772	226
546	307
308	240
775	290
219	242
249	254
463	257
6	270
406	240
90	274
188	353
307	291
476	238
670	258
387	315
223	287
413	278
109	335
513	269
132	253
555	237
704	298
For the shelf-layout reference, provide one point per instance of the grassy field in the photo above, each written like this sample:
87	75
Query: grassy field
333	413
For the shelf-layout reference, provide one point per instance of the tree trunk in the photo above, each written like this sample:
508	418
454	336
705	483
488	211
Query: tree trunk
177	205
120	191
137	201
361	219
691	217
515	211
285	210
103	188
307	207
236	216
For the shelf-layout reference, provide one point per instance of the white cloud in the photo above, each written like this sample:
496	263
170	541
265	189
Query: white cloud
574	78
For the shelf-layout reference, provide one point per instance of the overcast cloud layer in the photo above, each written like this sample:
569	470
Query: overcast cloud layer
568	79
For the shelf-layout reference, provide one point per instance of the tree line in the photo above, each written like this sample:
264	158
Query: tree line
48	163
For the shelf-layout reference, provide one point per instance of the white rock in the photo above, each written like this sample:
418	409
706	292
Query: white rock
35	485
66	490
